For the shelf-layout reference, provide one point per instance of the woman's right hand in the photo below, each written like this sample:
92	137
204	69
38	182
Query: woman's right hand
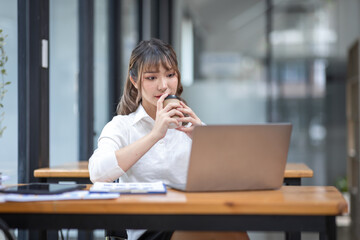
164	117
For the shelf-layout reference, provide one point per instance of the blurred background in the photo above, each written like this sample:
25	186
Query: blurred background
242	61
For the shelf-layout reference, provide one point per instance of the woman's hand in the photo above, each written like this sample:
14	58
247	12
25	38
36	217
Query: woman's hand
191	118
164	117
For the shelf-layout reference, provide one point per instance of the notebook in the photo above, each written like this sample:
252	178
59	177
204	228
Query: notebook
237	157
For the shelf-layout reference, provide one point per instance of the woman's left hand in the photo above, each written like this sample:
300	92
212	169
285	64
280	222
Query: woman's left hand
190	118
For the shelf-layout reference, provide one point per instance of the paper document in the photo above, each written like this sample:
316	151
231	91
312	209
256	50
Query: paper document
74	195
131	187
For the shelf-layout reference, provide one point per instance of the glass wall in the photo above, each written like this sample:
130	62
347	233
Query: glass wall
227	83
101	73
64	72
305	44
308	75
9	138
129	24
302	38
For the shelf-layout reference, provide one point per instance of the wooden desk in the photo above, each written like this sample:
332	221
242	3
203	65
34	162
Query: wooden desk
79	172
291	208
294	172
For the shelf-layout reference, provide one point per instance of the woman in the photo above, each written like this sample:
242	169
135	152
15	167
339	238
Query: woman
137	144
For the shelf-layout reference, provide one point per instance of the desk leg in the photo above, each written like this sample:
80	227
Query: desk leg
292	181
293	235
330	232
85	235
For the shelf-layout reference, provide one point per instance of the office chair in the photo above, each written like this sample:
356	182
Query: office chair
5	229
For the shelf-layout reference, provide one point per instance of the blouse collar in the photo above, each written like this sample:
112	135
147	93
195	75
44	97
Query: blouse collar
140	114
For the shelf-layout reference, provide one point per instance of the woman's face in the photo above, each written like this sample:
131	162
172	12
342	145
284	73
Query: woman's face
156	82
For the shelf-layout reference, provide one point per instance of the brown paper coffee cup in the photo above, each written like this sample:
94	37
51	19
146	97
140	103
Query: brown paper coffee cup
171	99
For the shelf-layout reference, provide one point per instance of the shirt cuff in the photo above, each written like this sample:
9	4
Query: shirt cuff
104	169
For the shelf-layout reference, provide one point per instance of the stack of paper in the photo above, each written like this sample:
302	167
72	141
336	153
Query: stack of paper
132	187
74	195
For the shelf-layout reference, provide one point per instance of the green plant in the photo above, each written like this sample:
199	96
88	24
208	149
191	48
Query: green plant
3	84
342	184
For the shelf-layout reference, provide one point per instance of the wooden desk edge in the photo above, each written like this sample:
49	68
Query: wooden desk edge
298	170
324	200
297	174
61	173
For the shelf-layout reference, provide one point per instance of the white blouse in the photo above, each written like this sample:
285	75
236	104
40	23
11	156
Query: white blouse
166	161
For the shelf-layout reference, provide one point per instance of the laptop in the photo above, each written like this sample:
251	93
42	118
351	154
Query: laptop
237	157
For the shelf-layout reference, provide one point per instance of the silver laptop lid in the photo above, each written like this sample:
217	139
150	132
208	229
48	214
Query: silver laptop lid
238	157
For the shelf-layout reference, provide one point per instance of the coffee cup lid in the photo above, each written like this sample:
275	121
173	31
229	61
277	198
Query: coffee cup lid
172	97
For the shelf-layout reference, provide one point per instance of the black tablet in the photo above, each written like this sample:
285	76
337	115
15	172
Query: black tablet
42	188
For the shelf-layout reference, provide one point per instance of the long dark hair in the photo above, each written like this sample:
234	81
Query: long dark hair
145	56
